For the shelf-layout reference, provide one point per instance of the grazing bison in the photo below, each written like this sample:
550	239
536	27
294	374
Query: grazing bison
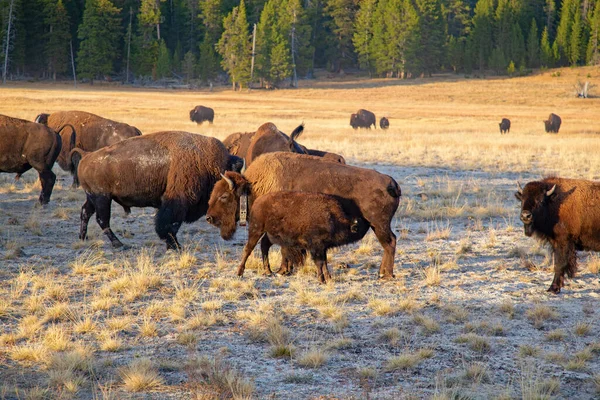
25	145
376	195
384	123
552	124
566	214
314	222
199	114
504	126
270	139
172	171
363	119
93	133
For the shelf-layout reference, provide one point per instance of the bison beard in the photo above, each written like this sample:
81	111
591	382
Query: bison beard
566	214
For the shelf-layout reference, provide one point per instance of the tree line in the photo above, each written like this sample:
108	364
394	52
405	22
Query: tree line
271	41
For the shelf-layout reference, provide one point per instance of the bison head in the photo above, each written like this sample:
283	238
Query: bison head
354	121
548	126
223	206
42	119
536	199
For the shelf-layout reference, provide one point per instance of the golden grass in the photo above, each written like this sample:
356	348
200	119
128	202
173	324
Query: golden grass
140	376
408	360
313	358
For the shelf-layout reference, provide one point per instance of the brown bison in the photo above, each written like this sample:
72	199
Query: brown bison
552	124
199	114
25	145
268	138
384	123
566	214
314	222
504	126
363	119
172	171
93	133
376	195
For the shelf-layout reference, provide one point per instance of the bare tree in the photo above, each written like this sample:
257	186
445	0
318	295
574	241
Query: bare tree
582	89
7	39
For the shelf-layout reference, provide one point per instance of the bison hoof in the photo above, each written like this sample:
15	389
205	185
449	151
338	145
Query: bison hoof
554	289
117	245
386	277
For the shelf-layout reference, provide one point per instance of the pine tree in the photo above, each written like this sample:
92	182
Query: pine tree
58	37
575	40
234	46
432	31
546	53
363	33
516	49
342	14
280	62
497	61
533	46
481	35
593	46
99	34
189	65
565	27
212	17
163	62
266	30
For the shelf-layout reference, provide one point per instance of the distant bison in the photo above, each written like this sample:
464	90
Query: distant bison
552	124
314	222
93	133
25	145
384	123
504	126
172	171
267	139
363	119
376	195
566	214
200	114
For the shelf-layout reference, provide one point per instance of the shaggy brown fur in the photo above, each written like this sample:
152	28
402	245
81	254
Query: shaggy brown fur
25	145
199	114
376	195
384	123
172	171
314	222
504	126
552	124
93	133
566	213
363	119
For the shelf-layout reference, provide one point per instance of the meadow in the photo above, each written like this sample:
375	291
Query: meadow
467	315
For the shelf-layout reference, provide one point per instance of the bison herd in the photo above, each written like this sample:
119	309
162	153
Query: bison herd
260	176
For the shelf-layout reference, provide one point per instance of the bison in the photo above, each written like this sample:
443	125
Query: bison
552	124
93	133
376	195
504	126
25	145
199	114
363	119
384	123
566	214
171	171
268	138
314	222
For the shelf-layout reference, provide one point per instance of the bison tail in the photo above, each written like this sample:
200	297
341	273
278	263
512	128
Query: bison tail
54	151
394	189
297	132
75	157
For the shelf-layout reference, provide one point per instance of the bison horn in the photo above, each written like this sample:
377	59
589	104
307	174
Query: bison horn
229	181
519	188
243	166
551	191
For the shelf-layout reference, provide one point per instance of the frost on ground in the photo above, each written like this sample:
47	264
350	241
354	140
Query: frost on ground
467	315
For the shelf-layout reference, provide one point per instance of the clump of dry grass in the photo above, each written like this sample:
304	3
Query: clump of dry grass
140	376
541	313
280	339
382	307
217	377
28	354
438	231
428	324
476	373
148	328
455	314
582	328
407	360
187	339
527	350
56	338
110	343
432	276
556	335
313	358
533	387
475	342
392	335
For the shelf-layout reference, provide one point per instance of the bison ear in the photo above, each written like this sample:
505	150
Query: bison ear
519	192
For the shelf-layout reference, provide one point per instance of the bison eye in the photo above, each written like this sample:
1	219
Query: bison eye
224	197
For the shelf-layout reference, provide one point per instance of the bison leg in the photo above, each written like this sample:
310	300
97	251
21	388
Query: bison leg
253	238
167	224
290	257
320	259
387	239
87	210
47	179
102	204
265	245
565	262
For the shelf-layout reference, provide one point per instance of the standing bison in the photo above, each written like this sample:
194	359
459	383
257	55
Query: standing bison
504	126
199	114
267	139
376	195
552	124
314	222
566	214
93	133
384	123
25	145
172	171
363	119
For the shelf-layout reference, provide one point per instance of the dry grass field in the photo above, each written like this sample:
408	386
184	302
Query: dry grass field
467	316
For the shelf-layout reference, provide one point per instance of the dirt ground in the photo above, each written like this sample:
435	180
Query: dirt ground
467	315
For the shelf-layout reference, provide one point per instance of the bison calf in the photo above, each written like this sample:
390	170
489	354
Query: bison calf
504	126
314	222
384	123
566	214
